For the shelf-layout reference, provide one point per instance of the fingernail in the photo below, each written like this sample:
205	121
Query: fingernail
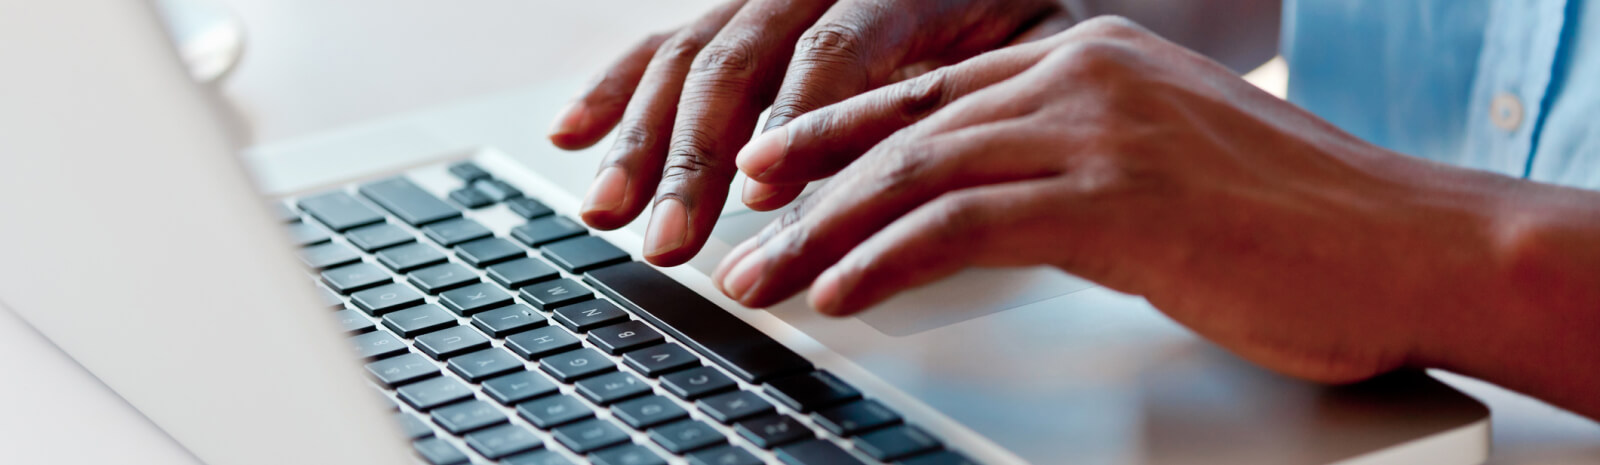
739	281
567	120
668	226
826	293
757	191
609	188
733	258
761	154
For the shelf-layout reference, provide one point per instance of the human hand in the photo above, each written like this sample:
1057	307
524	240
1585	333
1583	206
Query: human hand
688	99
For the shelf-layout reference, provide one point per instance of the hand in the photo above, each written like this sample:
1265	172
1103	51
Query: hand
1114	155
692	96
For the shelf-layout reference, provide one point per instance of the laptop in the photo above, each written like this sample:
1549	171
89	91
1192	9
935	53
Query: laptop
453	312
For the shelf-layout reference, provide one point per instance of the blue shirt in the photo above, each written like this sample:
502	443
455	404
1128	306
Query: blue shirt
1510	86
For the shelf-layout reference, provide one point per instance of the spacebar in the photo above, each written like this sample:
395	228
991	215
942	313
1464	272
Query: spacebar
696	322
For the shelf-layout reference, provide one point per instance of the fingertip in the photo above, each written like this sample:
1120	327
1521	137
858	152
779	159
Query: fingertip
668	231
565	130
827	294
761	197
759	156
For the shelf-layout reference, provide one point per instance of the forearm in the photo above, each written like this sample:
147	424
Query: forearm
1241	34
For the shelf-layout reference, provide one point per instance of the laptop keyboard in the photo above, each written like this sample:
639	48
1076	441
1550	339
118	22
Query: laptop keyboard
543	344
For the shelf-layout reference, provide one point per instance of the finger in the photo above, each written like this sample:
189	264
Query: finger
584	121
760	196
1046	27
632	167
731	80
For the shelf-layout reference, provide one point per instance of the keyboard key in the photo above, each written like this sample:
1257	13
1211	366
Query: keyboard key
529	208
733	406
572	366
405	200
329	298
811	391
769	431
553	411
701	325
413	321
328	255
468	171
438	452
503	440
485	252
386	298
538	457
627	454
546	230
470	198
414	427
612	387
522	272
685	436
376	345
339	211
943	457
378	236
697	382
352	322
440	278
427	394
484	364
283	212
468	416
496	189
723	455
855	418
583	254
541	342
475	298
351	278
895	443
624	336
400	370
302	234
452	232
517	387
505	321
590	435
656	360
648	411
589	315
451	342
404	258
815	452
549	295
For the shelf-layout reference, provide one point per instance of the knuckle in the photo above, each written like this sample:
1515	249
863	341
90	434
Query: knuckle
958	216
832	42
690	158
732	54
903	168
634	136
1110	26
680	48
1094	61
919	97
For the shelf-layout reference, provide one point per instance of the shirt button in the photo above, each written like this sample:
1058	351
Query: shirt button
1506	111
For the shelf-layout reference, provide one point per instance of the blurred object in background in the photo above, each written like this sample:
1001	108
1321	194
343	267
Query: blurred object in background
208	35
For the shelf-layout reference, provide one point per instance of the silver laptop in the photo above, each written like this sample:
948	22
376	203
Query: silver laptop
452	312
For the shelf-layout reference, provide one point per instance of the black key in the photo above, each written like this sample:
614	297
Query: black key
378	236
627	454
553	411
811	391
815	452
413	321
548	229
376	345
589	315
475	298
698	323
733	406
541	342
386	298
572	366
328	255
284	213
522	272
625	336
400	370
549	295
438	452
855	418
517	387
897	442
340	211
496	189
723	455
648	411
653	361
503	440
412	204
538	457
329	298
452	232
403	259
303	234
485	252
468	416
697	382
684	436
351	278
468	171
769	431
612	387
590	435
470	198
943	457
583	253
529	208
484	364
352	322
440	278
502	322
451	342
414	428
427	394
